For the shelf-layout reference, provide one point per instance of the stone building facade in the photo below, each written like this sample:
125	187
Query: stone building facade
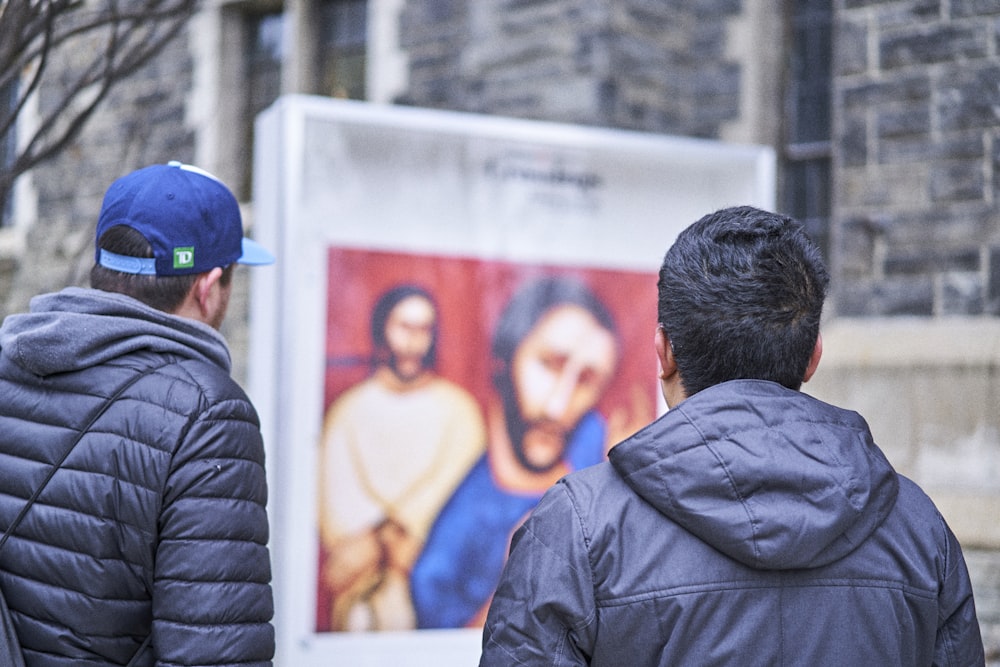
916	101
884	114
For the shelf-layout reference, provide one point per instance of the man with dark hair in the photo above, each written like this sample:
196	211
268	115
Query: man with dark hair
554	350
394	446
751	524
149	540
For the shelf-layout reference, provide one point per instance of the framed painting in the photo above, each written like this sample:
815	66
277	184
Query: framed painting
462	311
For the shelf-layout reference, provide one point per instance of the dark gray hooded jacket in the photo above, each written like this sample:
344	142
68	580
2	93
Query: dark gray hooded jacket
750	525
156	521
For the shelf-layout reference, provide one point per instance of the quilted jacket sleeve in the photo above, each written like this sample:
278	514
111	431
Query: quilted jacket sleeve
543	609
958	641
212	599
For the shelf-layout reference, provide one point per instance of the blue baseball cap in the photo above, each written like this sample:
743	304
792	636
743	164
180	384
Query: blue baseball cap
189	217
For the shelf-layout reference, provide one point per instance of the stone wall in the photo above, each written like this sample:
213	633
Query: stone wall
917	233
917	118
656	66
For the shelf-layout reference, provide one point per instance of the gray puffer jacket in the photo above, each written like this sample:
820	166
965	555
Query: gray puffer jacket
751	525
156	521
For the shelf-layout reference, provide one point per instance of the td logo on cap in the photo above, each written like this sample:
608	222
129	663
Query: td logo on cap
190	218
183	258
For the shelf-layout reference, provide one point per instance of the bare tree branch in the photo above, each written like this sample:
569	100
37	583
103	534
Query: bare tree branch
73	53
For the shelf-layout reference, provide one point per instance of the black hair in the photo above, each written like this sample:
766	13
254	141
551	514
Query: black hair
164	293
741	295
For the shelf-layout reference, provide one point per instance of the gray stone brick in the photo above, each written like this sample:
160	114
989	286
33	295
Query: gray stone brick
909	14
853	146
969	97
858	239
941	227
936	45
931	148
961	294
930	260
957	181
858	4
911	297
851	49
906	119
972	8
909	87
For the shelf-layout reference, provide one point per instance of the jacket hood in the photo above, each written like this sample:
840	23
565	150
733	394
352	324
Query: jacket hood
769	476
79	328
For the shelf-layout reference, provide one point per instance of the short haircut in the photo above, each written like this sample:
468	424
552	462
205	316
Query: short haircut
380	317
535	299
741	295
164	293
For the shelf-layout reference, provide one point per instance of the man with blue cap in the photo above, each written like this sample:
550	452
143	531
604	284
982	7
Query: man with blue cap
139	458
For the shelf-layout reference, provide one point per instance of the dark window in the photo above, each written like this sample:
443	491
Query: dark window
264	53
806	154
343	38
8	99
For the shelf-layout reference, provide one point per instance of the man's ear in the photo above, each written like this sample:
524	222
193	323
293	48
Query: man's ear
664	354
814	359
670	377
202	288
198	304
